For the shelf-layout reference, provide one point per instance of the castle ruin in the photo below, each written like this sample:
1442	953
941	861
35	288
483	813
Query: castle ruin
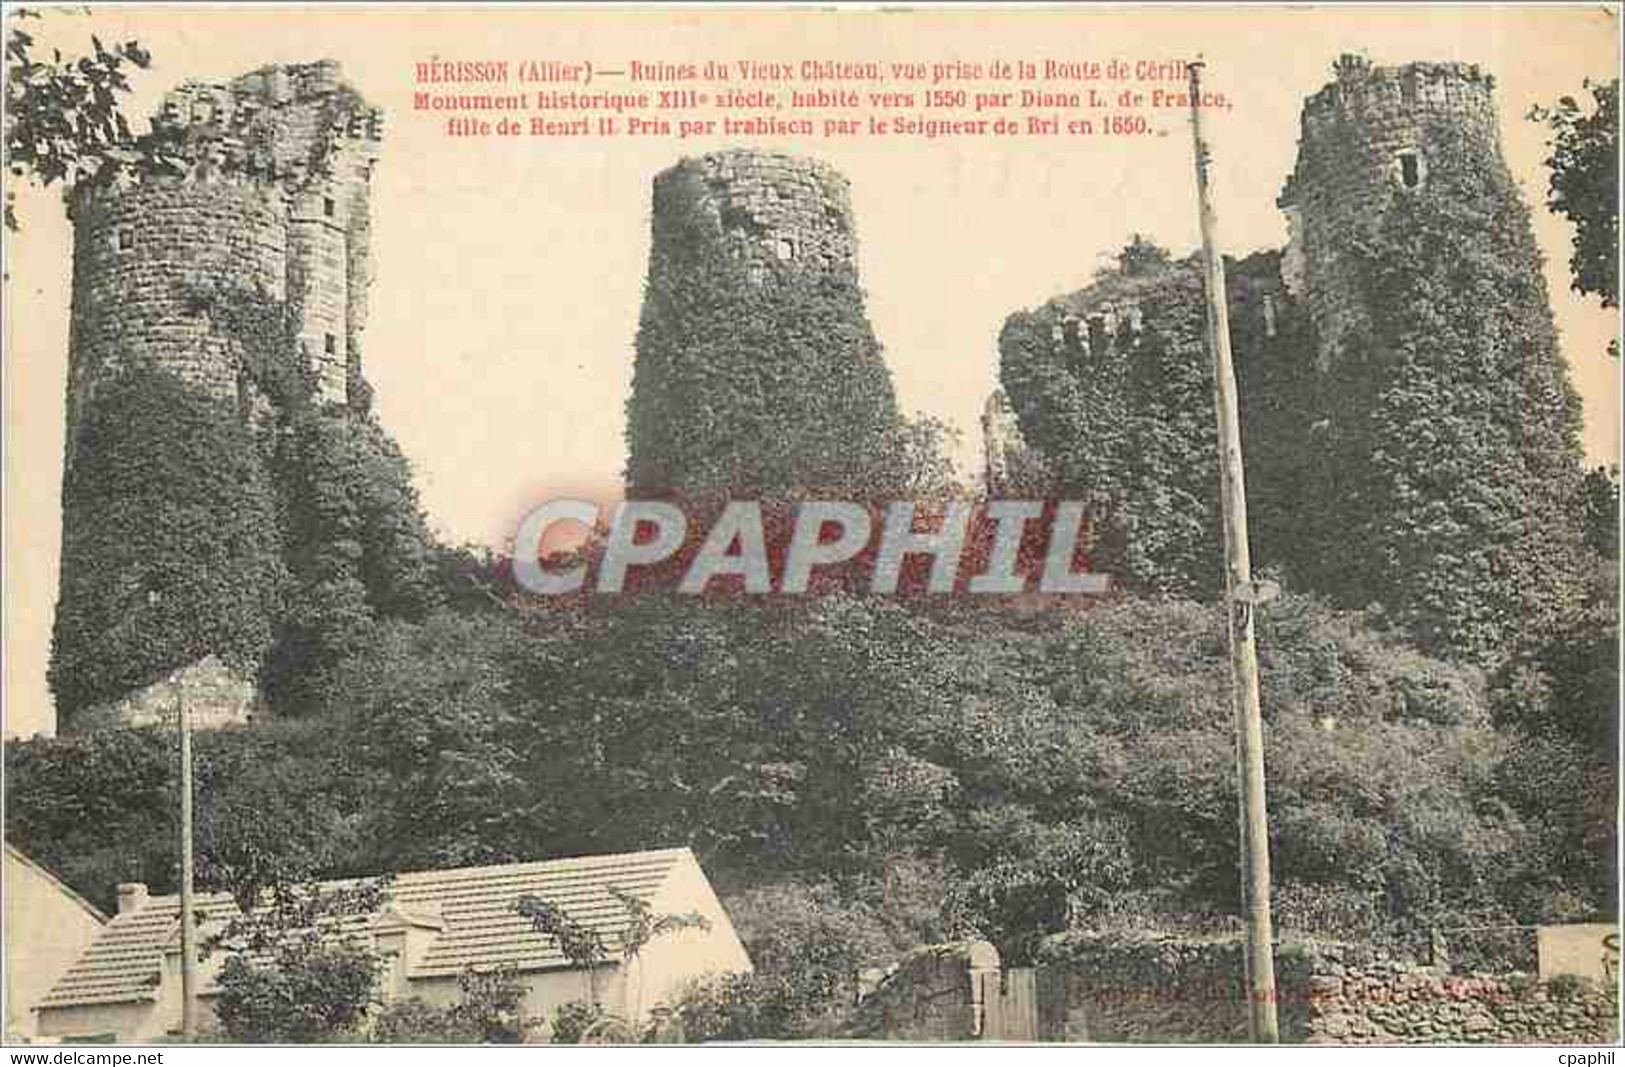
256	192
1364	140
1397	366
756	365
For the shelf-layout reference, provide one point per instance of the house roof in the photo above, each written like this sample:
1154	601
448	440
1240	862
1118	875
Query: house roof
473	906
12	852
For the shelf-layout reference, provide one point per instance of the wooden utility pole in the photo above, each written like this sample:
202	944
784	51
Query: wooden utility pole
188	927
1241	597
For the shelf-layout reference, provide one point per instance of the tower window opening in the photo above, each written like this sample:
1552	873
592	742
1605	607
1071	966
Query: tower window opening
1410	171
1098	338
330	344
328	206
126	240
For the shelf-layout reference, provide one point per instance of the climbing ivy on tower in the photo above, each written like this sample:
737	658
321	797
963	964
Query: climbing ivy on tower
1463	452
754	373
171	545
359	547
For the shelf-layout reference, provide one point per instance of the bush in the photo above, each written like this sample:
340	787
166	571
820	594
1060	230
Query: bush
743	1007
307	994
571	1020
414	1021
488	1011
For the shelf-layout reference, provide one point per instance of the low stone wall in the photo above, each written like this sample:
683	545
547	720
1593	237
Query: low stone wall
1364	1001
1147	989
933	994
215	695
1129	989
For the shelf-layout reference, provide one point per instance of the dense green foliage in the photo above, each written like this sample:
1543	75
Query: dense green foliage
1459	428
289	976
1434	468
63	120
282	805
358	547
860	776
172	549
771	383
1585	185
186	535
1123	415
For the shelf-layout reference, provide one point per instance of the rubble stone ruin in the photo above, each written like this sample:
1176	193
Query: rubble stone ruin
261	188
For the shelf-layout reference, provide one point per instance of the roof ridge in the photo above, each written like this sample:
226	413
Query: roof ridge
477	923
224	898
28	861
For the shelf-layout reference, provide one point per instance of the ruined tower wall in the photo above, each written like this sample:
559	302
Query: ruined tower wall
259	186
138	252
274	200
763	207
756	363
1365	140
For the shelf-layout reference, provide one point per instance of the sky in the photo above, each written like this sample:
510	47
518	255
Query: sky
508	273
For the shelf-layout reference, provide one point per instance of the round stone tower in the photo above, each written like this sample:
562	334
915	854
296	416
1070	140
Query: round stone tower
756	364
764	208
255	195
264	189
1368	137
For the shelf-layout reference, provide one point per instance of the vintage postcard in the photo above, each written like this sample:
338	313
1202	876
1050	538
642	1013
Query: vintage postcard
690	524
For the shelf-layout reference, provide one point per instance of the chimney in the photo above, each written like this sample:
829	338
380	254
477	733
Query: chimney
132	896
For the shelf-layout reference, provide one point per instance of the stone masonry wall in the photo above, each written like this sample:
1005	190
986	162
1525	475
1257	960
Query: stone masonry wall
260	185
1364	140
1142	988
275	200
765	207
136	252
1150	989
215	696
1358	999
933	994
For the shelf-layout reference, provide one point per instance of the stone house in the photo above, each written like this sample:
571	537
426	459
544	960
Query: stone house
47	927
433	925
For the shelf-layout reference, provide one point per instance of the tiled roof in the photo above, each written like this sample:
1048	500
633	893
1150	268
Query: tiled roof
474	904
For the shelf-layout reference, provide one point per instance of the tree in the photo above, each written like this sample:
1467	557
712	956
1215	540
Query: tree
1143	256
297	970
63	121
1585	184
358	547
585	947
1600	507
